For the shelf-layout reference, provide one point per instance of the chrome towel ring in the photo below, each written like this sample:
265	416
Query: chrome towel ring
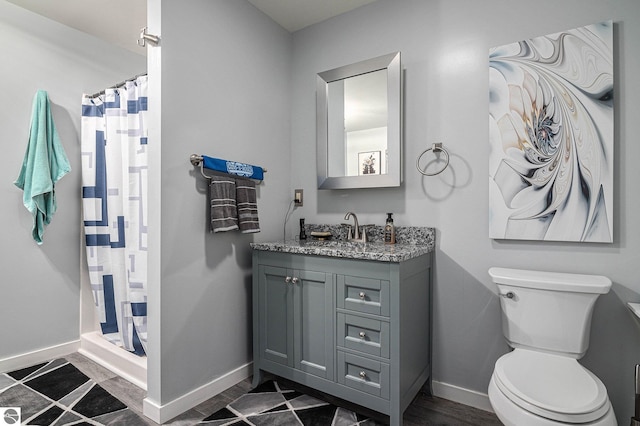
436	147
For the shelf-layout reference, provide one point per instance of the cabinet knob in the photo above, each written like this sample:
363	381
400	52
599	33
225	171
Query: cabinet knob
362	334
363	374
287	280
362	295
295	280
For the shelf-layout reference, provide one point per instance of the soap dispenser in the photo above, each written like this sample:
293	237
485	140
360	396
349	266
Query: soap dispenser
303	234
389	230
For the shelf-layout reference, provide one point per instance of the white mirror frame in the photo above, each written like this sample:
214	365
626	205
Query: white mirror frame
393	177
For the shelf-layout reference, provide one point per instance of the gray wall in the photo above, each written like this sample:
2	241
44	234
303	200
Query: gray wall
444	48
40	285
225	93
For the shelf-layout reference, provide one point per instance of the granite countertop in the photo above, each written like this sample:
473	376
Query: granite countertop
347	250
412	242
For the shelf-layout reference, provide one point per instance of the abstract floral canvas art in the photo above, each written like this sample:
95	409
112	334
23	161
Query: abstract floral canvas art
551	136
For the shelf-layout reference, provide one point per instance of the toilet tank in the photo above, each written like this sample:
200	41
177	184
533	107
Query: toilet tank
548	311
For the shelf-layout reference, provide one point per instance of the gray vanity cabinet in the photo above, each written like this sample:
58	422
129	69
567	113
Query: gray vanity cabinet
355	329
296	318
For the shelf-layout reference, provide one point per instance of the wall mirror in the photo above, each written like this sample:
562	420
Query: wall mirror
359	124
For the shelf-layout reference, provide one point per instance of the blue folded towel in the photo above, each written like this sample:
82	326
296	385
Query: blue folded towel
233	167
44	164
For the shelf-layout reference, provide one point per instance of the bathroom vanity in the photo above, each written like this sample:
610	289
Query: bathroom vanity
349	319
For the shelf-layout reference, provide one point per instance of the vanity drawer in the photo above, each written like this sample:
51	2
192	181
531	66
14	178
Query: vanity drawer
363	334
363	374
365	295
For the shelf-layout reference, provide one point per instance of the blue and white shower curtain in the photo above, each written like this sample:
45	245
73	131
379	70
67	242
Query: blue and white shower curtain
114	204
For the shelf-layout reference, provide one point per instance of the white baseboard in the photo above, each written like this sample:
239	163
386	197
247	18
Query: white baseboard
163	413
463	396
36	357
129	366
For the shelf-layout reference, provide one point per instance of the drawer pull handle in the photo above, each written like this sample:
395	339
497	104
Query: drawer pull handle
362	295
362	334
295	280
363	374
287	280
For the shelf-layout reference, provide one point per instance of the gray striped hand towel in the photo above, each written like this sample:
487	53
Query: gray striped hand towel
224	214
247	206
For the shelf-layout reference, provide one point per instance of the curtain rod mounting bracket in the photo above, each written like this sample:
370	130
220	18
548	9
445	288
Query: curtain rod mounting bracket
144	37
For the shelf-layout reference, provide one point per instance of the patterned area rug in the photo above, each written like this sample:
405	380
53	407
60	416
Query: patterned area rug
57	393
273	404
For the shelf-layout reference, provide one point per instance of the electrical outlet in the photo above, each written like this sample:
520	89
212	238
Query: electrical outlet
297	197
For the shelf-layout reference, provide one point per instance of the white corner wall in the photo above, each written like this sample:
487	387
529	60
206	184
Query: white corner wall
225	71
40	285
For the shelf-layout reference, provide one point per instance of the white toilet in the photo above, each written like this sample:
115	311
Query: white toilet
546	318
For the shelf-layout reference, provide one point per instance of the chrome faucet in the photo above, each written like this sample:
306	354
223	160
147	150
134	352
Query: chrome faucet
354	233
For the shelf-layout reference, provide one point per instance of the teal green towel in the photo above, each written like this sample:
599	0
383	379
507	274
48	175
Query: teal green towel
45	163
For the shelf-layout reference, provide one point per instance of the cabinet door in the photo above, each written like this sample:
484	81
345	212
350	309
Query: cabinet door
313	323
276	314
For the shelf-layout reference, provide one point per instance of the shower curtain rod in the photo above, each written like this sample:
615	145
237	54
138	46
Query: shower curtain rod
115	86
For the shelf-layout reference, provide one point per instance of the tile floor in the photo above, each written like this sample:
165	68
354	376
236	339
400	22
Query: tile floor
76	391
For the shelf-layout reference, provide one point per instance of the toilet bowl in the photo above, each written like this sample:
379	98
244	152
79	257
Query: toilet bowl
546	319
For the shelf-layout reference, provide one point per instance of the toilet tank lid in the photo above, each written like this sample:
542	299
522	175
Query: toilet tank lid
558	281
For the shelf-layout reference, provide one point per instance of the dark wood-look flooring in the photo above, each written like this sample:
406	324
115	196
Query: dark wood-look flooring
431	410
424	410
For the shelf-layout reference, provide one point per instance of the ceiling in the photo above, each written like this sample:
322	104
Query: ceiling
97	17
103	19
293	15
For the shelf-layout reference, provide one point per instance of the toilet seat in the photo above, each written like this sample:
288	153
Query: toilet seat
551	386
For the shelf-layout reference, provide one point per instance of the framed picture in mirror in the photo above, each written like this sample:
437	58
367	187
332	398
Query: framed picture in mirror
369	163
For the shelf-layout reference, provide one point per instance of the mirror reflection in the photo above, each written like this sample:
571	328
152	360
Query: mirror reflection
359	121
358	125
